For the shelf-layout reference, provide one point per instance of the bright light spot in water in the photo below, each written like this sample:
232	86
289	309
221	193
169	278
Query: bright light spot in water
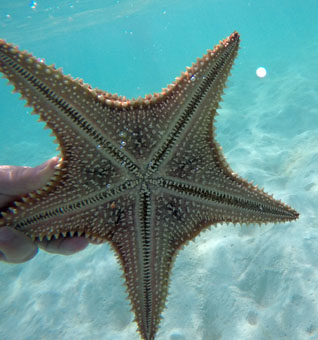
33	4
261	72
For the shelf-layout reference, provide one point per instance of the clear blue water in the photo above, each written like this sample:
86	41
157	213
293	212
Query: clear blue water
248	283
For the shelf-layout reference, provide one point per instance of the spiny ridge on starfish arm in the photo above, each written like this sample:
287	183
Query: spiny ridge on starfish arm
146	174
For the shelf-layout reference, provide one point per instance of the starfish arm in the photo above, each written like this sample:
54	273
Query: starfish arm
194	97
77	114
146	254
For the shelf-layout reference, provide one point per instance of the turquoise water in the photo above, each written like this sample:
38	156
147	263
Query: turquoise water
232	283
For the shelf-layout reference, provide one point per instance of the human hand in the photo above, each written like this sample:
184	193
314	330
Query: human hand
15	246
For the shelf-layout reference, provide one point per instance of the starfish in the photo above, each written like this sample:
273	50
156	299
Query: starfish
145	174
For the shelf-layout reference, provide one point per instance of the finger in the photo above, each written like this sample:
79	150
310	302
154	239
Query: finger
64	246
17	180
15	247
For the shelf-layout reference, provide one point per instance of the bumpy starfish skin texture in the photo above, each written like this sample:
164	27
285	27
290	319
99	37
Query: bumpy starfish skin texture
144	174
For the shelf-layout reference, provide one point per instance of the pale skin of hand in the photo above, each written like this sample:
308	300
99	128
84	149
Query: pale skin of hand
16	247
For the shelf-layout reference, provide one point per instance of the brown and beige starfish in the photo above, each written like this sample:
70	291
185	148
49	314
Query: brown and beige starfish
146	175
